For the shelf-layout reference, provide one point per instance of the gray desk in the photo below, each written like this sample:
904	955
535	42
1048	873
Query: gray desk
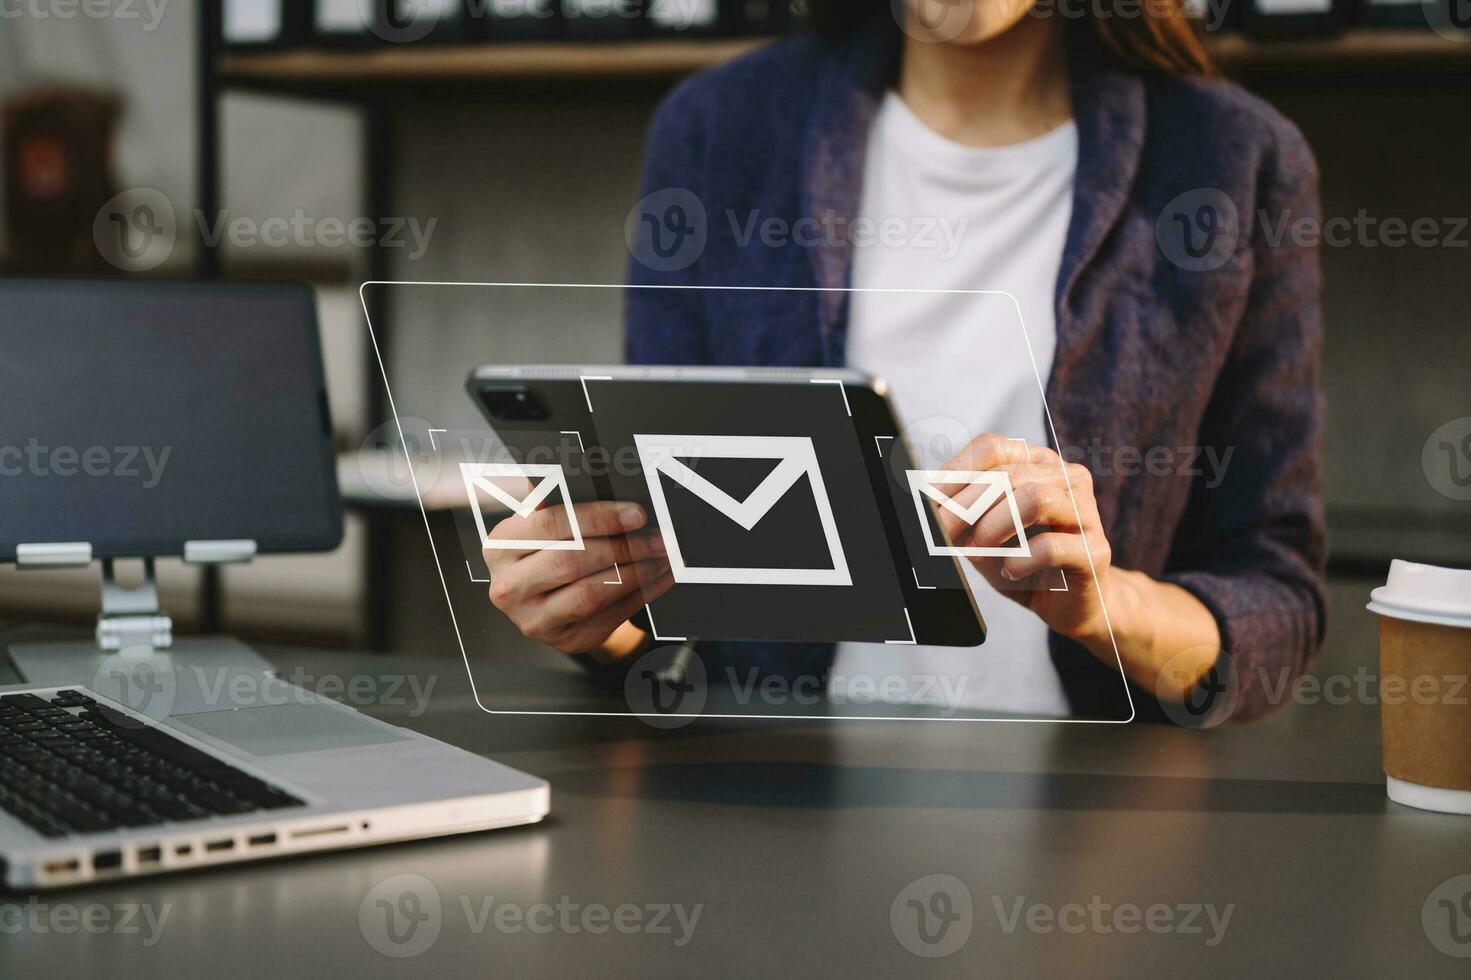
795	839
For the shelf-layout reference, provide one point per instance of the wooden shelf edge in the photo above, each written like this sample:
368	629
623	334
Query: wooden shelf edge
1372	49
631	59
1367	49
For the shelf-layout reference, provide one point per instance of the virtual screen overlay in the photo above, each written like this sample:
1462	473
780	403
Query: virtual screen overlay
802	546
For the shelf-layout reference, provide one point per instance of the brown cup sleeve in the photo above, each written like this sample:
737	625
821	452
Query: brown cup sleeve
1425	702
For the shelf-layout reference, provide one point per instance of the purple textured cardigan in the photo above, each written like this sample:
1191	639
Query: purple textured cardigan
1150	352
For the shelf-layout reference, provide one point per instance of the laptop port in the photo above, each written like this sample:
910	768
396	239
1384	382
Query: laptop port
184	850
319	832
107	860
150	855
262	840
226	844
65	866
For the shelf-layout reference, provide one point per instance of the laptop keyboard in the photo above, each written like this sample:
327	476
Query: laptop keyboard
70	765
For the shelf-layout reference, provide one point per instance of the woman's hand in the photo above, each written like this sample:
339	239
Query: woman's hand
573	600
1165	637
1063	530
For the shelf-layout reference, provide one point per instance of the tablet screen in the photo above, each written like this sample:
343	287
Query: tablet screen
776	502
140	415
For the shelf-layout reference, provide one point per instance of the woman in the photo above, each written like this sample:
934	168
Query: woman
1092	166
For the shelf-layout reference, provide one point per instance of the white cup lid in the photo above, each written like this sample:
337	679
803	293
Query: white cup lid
1425	594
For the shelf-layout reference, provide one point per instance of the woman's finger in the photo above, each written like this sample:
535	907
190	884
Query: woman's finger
591	595
989	451
543	571
1037	505
598	518
1055	549
589	634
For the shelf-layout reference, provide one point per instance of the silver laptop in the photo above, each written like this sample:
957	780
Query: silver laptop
152	420
90	789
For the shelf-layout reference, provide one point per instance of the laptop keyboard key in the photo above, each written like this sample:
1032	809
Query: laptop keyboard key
101	769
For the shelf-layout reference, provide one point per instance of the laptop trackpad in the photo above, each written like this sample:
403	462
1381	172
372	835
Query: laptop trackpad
285	729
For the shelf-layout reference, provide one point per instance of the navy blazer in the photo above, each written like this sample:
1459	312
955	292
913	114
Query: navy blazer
1219	351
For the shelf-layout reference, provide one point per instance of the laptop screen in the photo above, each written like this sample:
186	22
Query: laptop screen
139	415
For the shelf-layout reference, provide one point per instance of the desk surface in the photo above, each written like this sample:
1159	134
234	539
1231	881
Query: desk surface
794	842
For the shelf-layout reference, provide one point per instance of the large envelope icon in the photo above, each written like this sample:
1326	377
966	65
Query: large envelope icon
661	455
995	485
544	478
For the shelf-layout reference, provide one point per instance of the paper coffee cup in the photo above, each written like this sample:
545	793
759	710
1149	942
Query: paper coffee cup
1425	685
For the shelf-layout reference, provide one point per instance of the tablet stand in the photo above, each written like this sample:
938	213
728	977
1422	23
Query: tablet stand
132	625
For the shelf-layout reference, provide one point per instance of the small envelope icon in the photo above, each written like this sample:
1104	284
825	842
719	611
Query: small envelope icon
996	484
544	478
662	458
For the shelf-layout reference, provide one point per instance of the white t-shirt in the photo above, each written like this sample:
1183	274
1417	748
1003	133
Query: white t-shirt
942	215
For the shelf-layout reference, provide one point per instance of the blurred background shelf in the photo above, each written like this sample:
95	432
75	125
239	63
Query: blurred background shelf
546	61
1373	50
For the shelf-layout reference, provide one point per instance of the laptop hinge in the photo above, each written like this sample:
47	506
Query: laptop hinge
54	554
130	614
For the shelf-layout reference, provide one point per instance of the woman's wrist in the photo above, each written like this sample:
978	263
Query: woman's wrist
1154	625
1122	622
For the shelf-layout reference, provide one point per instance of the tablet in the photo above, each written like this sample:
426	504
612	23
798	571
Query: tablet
785	497
140	416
